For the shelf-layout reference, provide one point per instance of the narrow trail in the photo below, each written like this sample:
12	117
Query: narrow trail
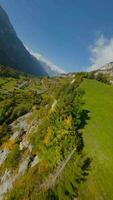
50	182
72	81
54	104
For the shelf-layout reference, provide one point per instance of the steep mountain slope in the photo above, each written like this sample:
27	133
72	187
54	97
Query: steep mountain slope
12	51
40	138
98	137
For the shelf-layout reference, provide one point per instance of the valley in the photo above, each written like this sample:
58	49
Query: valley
56	100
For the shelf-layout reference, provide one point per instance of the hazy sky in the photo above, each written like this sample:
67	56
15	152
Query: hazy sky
73	34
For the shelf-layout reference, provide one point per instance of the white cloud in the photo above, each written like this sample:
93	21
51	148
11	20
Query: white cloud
101	52
47	64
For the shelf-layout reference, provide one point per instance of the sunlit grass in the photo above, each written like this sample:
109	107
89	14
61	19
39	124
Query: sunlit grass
98	137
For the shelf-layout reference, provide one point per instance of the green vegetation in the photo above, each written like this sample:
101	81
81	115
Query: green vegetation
99	76
3	133
17	95
51	133
13	158
98	138
53	140
46	157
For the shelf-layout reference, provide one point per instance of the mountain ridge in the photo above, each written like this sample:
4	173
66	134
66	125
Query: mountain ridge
12	51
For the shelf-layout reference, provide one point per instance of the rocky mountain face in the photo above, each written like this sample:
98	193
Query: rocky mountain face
106	69
12	51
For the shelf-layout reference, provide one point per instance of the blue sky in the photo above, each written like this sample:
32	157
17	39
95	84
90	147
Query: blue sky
73	34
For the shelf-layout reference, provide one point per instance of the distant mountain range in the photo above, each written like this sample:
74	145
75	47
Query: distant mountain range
14	54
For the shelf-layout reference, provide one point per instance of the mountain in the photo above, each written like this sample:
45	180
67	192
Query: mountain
106	69
50	67
12	51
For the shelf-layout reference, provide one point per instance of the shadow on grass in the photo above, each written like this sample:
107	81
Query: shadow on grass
86	167
85	116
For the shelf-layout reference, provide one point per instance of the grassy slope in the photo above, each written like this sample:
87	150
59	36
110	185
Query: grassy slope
98	136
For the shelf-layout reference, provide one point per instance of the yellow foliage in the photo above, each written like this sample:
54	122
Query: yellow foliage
43	166
49	131
68	121
46	140
62	134
9	145
47	136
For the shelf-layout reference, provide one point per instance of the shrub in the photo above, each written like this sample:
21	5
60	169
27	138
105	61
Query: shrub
13	158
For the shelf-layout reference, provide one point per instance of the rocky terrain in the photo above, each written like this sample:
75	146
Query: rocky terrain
106	69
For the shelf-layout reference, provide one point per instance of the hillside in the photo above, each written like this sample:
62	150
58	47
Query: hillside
98	138
55	140
12	51
41	144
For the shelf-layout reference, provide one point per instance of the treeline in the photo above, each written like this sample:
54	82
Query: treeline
6	71
104	78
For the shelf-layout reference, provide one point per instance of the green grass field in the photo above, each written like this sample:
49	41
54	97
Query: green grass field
98	138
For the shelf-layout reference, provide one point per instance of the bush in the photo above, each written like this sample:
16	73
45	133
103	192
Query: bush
3	133
13	158
102	77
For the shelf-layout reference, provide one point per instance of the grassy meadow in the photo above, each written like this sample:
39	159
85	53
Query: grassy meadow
98	139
